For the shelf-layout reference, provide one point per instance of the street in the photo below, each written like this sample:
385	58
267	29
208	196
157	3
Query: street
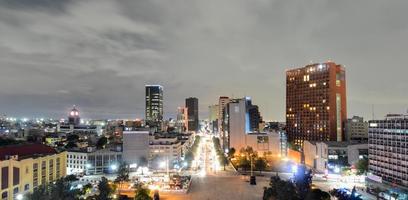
212	182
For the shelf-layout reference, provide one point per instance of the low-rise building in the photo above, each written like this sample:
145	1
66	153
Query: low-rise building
331	155
93	161
356	129
165	147
25	167
135	145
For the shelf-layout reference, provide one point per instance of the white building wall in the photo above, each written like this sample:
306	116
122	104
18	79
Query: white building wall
76	162
135	146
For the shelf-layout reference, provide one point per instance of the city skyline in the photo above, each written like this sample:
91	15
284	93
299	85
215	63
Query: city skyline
59	54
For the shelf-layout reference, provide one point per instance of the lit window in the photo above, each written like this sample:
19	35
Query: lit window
306	78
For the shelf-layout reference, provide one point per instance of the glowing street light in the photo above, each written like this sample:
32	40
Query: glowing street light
294	169
114	167
336	169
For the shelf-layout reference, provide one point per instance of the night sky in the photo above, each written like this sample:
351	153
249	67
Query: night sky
99	54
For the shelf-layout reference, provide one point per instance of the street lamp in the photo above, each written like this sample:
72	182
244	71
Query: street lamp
114	167
252	179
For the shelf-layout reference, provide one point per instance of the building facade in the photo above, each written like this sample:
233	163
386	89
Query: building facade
192	110
92	161
332	155
213	117
316	103
222	103
135	145
25	167
167	148
388	151
242	121
182	119
356	129
154	105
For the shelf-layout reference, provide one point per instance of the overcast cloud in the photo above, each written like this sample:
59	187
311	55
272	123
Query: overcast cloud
99	54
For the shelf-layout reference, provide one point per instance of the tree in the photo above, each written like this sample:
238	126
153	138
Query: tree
71	178
123	173
61	189
280	190
362	166
101	142
71	144
303	180
39	193
231	152
86	189
317	194
142	193
260	164
105	189
244	163
8	141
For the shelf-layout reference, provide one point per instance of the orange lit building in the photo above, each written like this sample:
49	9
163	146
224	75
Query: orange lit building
316	107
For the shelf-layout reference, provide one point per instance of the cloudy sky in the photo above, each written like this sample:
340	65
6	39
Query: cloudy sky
99	54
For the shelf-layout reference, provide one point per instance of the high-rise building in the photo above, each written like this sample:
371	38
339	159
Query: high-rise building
240	131
222	104
316	103
388	153
73	117
192	110
154	105
213	117
255	117
182	120
356	129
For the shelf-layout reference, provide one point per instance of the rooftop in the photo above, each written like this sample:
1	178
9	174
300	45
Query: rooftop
26	151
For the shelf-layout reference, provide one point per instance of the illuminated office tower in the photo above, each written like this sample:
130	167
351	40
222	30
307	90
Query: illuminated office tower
154	105
316	103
